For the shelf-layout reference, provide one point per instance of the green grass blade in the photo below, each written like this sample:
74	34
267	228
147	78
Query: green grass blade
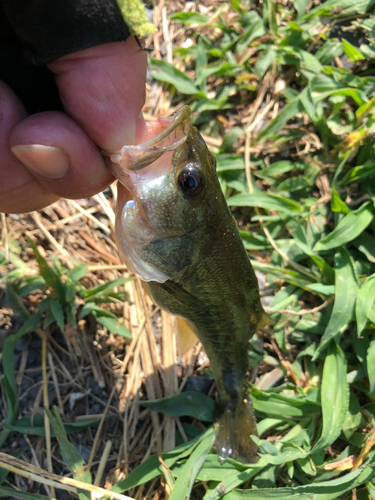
290	110
78	272
325	490
104	289
267	201
70	455
364	302
114	325
151	467
334	396
371	367
346	292
16	303
234	481
11	493
189	403
9	369
49	274
351	226
185	482
273	404
166	72
57	312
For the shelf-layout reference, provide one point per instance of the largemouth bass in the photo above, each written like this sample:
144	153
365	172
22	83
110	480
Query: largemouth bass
175	231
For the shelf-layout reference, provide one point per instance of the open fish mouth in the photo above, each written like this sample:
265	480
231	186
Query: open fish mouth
167	134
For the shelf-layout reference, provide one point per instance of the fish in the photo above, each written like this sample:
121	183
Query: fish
175	231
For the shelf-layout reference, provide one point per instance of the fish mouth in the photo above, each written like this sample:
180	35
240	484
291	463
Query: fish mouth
167	134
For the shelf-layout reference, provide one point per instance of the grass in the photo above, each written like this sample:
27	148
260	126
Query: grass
283	92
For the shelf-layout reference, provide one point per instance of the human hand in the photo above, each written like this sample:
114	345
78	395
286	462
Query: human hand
50	155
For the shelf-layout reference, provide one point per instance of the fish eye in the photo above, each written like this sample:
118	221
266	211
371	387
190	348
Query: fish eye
190	181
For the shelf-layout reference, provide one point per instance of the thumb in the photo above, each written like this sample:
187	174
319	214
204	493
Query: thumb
103	89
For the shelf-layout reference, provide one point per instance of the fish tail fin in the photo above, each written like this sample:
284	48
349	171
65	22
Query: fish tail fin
235	425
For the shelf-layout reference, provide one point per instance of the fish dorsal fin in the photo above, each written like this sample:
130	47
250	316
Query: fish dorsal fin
186	336
264	320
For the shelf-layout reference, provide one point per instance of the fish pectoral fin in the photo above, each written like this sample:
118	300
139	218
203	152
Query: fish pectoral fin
264	321
186	336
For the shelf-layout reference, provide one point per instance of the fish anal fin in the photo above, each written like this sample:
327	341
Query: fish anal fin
186	336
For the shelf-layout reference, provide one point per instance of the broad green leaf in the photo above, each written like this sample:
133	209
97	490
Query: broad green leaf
351	226
325	490
289	275
346	292
254	241
337	205
366	244
278	405
219	69
189	403
57	312
213	469
78	272
191	18
35	426
166	72
27	285
366	108
358	173
288	454
264	61
280	167
300	6
236	480
371	489
185	482
16	303
352	53
364	302
320	288
347	7
104	289
323	86
328	51
151	467
263	200
334	396
227	161
254	29
114	325
300	238
200	63
97	311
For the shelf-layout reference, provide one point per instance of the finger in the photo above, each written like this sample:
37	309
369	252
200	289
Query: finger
103	89
19	189
60	155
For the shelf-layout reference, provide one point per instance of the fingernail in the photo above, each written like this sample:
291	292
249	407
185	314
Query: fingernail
48	161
